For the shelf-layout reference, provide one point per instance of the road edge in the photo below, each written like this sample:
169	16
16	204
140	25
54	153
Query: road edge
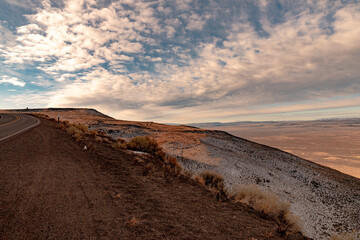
23	130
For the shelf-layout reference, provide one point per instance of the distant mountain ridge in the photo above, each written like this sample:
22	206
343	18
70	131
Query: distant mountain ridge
217	124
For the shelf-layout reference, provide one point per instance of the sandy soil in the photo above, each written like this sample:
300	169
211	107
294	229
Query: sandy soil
52	188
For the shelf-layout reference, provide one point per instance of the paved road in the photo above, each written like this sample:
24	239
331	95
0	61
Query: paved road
14	123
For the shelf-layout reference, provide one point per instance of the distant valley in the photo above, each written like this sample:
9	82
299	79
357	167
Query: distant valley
333	143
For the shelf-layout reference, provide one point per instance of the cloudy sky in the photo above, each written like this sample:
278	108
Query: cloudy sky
183	61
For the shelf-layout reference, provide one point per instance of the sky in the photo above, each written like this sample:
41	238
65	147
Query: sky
185	61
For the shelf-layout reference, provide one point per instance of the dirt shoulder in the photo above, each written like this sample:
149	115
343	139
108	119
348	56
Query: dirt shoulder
52	188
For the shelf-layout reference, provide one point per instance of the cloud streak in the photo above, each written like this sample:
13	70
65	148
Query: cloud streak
13	81
192	61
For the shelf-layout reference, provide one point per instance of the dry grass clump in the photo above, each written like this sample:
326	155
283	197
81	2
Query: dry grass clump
199	179
215	181
120	144
40	115
146	144
93	132
83	128
77	131
73	130
174	165
267	203
61	126
149	145
77	137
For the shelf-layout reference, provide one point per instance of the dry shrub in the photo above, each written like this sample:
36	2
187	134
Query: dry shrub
98	139
174	165
119	145
73	130
77	131
186	174
41	115
267	203
82	127
93	132
146	144
199	179
212	179
77	136
215	181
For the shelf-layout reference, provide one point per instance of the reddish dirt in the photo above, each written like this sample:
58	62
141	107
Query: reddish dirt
52	188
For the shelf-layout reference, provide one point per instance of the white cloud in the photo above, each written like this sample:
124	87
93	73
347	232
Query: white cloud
12	80
80	38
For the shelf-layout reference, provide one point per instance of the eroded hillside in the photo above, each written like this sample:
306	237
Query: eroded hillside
326	200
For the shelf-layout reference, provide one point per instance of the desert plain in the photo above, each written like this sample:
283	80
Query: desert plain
333	143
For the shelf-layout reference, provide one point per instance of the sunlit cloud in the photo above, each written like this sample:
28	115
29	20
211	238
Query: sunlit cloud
14	81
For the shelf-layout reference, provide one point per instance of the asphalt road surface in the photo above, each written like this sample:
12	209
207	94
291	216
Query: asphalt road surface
14	123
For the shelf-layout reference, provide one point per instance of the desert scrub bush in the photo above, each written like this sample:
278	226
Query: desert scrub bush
199	179
73	130
82	127
119	144
77	137
215	181
146	144
212	179
61	126
172	161
267	203
41	115
93	132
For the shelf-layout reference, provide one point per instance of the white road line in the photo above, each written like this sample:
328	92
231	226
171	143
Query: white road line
36	124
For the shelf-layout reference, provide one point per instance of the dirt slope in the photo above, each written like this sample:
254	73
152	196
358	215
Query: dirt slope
326	201
52	188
